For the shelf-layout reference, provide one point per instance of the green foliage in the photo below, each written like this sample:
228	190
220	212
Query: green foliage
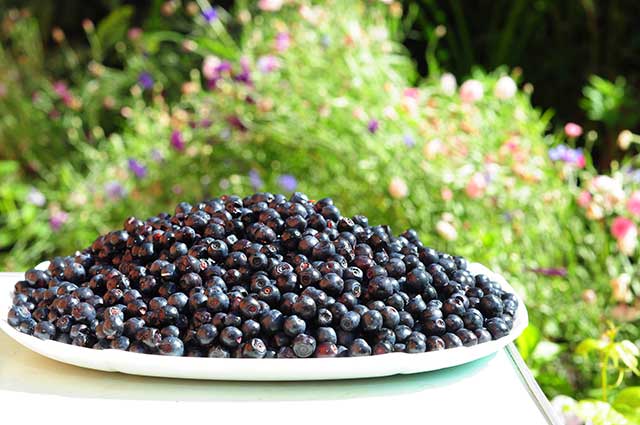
610	102
326	95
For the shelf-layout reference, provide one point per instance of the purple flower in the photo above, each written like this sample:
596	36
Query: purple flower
35	197
245	75
57	219
288	182
114	190
373	126
137	168
177	141
283	41
408	140
254	178
145	80
156	155
550	271
268	64
210	14
568	155
235	122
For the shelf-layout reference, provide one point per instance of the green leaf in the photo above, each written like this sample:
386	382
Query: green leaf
590	344
628	353
151	41
210	46
8	168
114	27
627	402
546	351
528	341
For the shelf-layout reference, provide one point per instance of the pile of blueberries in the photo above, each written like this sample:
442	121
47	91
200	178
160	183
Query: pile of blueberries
263	276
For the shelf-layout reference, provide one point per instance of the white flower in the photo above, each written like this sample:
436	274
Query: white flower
446	230
471	91
628	243
448	84
210	67
35	197
620	287
505	88
624	139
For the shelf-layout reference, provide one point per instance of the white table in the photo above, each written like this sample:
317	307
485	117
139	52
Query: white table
494	390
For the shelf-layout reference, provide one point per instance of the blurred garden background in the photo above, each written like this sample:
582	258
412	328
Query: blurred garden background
505	131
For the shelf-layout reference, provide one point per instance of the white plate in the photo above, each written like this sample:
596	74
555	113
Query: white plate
261	369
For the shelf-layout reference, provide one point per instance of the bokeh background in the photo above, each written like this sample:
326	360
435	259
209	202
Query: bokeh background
505	131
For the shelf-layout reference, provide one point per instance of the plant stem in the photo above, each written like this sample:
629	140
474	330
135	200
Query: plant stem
603	376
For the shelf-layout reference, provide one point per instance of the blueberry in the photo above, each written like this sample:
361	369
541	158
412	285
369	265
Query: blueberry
371	320
272	321
304	306
326	334
120	343
435	343
149	337
349	321
497	327
472	319
18	314
415	345
326	349
249	307
171	346
294	325
231	337
467	337
359	347
491	306
483	335
332	284
286	353
170	330
453	323
304	345
218	352
383	347
254	349
44	330
206	334
451	340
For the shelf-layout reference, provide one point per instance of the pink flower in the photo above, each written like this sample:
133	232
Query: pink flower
584	199
471	91
270	5
476	186
134	33
621	226
572	130
268	64
446	194
283	41
633	204
57	219
411	92
398	188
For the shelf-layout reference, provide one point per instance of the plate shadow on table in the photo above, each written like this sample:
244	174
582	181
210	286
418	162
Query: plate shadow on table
25	371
